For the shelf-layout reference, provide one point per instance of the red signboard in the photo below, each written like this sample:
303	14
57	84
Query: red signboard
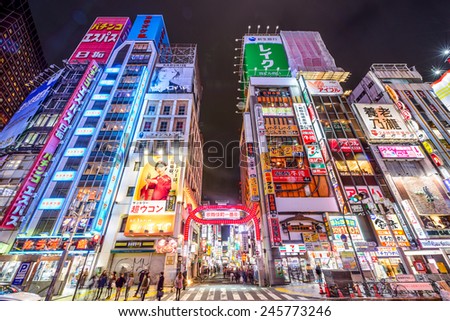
345	145
275	232
52	244
101	39
24	195
308	136
291	176
272	205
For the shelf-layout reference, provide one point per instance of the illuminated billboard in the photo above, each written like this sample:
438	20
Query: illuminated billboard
383	122
152	210
101	39
172	78
150	27
19	121
264	56
396	152
324	87
441	87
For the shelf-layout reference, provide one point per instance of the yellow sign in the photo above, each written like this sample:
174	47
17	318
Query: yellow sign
285	150
269	187
265	162
253	187
427	145
281	130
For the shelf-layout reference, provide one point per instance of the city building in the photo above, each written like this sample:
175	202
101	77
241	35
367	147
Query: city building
391	102
128	163
21	57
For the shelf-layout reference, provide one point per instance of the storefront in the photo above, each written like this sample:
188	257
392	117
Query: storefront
386	263
434	258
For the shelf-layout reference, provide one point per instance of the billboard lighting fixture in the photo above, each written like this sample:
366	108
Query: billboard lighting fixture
358	197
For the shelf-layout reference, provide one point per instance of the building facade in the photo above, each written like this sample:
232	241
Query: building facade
21	57
417	170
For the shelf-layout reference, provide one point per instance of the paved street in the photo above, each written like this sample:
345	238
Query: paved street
231	292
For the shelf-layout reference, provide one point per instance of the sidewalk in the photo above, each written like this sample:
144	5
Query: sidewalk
312	291
87	295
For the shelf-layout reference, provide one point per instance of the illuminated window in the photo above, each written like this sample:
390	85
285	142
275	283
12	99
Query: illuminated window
180	126
354	167
147	126
130	191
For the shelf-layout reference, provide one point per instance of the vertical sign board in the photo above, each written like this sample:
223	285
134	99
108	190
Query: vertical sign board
16	210
101	39
264	56
150	27
21	273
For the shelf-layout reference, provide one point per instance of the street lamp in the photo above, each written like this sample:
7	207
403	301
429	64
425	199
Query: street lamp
78	211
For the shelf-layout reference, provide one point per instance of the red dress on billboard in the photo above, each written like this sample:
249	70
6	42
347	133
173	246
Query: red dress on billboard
160	190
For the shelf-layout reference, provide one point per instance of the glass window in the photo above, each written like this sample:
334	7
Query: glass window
151	110
181	110
166	110
137	165
180	126
163	126
147	126
130	191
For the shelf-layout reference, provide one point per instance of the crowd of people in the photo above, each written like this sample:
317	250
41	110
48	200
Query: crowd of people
239	275
106	286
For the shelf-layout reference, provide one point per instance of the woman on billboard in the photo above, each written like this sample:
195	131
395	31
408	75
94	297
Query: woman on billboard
160	185
163	80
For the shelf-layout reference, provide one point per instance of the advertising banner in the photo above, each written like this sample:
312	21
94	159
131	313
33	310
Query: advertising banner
275	231
281	130
345	145
101	39
29	185
264	56
436	225
396	152
19	121
214	215
425	193
338	227
324	87
172	78
51	244
291	176
383	122
286	151
303	118
152	209
315	159
150	27
441	88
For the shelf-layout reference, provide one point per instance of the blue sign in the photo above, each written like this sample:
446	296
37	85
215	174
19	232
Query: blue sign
447	184
343	238
19	122
150	27
21	273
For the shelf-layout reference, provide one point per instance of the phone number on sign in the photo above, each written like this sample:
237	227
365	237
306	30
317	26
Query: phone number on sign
294	310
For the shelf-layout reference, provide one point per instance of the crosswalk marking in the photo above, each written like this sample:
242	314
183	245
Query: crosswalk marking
248	296
288	297
199	294
271	294
211	294
235	294
223	294
261	296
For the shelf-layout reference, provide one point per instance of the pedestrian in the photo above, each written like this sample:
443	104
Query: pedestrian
102	280
244	277
319	273
250	275
178	286
129	284
111	284
83	278
231	276
184	279
237	276
145	285
160	287
141	277
120	282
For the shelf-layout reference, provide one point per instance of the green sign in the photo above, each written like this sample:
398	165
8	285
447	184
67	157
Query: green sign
265	60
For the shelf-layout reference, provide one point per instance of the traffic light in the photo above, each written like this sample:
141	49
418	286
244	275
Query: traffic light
358	197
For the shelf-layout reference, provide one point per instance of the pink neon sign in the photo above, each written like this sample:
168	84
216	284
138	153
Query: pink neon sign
400	152
16	210
99	42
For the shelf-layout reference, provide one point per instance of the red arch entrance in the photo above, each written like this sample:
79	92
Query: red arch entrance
250	217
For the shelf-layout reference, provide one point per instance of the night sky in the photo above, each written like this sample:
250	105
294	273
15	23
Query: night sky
357	33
